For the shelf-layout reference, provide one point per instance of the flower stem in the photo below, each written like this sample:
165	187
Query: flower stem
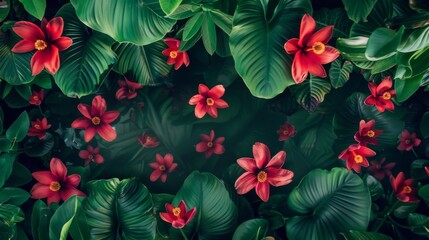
415	154
389	211
183	234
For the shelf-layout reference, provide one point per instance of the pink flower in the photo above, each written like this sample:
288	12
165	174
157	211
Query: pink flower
209	145
379	171
262	171
127	89
55	184
178	216
367	134
174	55
208	100
381	95
407	141
355	156
37	97
404	190
162	167
148	141
91	155
38	128
286	131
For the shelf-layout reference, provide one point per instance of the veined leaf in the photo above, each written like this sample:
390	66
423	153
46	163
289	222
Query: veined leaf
19	128
361	235
382	43
359	10
337	17
63	217
311	92
192	26
417	40
340	72
253	229
208	33
169	6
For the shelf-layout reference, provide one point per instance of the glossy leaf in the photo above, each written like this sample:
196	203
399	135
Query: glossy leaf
185	11
413	65
222	20
339	73
4	9
63	217
169	6
353	48
34	147
192	26
359	10
405	88
419	224
253	229
384	65
383	9
311	92
424	193
20	175
19	128
40	218
11	214
417	40
361	235
35	7
14	196
382	43
208	33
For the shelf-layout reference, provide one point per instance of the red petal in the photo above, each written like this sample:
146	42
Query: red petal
201	147
172	167
52	59
37	62
39	191
279	177
205	137
99	159
263	190
172	43
69	191
89	133
155	175
54	28
159	159
190	215
84	154
219	103
167	217
63	43
73	180
85	110
110	116
200	110
107	132
299	67
23	46
28	31
370	100
323	35
291	46
56	197
262	155
58	169
178	63
248	164
246	182
81	123
179	223
185	58
212	110
98	106
44	177
316	69
203	89
216	92
196	99
218	149
308	25
278	160
385	85
168	159
329	55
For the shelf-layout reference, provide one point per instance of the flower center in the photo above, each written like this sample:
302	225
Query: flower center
387	96
285	132
176	211
36	98
407	141
370	133
262	176
96	120
173	54
40	45
209	144
162	168
55	186
407	189
210	101
148	139
37	126
90	157
358	159
318	47
130	90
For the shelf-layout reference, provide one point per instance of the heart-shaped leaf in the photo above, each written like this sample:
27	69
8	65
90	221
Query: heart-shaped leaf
312	92
339	73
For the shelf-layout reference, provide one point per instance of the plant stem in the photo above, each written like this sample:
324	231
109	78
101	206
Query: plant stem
183	234
391	209
415	154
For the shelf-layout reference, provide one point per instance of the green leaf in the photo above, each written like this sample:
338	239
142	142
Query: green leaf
424	193
353	48
79	230
382	10
11	214
257	44
382	43
405	88
253	229
419	224
63	217
169	6
40	217
323	200
84	64
358	10
222	20
383	65
24	91
337	17
15	196
208	33
35	7
185	11
186	45
192	26
311	92
119	209
424	125
361	235
417	40
34	147
43	80
339	73
374	186
4	9
413	65
159	201
137	21
19	128
20	175
216	214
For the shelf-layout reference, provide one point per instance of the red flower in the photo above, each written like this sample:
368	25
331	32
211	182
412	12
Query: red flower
209	145
127	90
55	184
163	166
38	128
381	95
367	134
96	120
148	141
379	171
403	188
355	156
427	170
46	40
407	141
177	216
310	50
262	171
286	131
208	100
37	97
91	155
174	56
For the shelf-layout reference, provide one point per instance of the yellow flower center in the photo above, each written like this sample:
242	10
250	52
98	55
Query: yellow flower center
36	98
162	168
318	47
173	54
40	45
407	141
370	133
210	101
209	144
176	211
148	139
358	159
407	189
55	186
285	132
262	176
387	96
90	157
96	120
37	126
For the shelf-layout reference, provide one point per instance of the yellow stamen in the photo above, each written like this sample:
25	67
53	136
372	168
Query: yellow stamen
162	168
318	47
407	189
358	158
407	141
173	54
262	176
176	211
90	156
370	133
37	126
210	101
55	186
35	98
387	96
40	45
209	144
285	132
96	120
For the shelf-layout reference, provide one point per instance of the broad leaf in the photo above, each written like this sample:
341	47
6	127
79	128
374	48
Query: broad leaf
381	12
323	198
361	235
413	65
382	43
353	48
405	88
339	73
257	44
19	128
192	26
40	218
359	10
4	9
35	7
311	92
15	196
419	224
169	6
6	164
417	40
253	229
63	217
222	20
424	193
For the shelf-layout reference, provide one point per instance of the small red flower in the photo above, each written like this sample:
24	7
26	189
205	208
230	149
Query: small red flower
427	170
178	216
407	141
208	100
379	171
310	50
381	95
174	55
127	89
286	131
262	171
404	190
37	97
163	166
209	145
38	128
148	141
96	120
355	156
367	134
55	184
46	40
91	155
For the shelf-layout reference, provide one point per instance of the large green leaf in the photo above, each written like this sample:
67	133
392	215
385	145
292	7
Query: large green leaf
216	214
168	6
19	128
359	10
312	92
413	65
137	21
419	223
353	48
339	73
361	235
416	40
382	43
257	43
40	218
6	164
83	64
120	209
405	88
35	7
381	13
253	229
4	9
63	217
329	202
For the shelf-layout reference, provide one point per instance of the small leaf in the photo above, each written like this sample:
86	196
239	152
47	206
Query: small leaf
4	9
192	26
424	193
169	6
35	7
311	92
6	164
340	72
359	10
222	20
184	11
19	128
40	217
419	224
34	147
208	33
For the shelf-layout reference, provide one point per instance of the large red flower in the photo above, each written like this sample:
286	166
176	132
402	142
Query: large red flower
355	156
162	167
91	154
210	145
262	171
367	134
38	128
37	97
407	141
46	40
403	188
178	216
381	95
310	50
174	55
127	89
96	120
208	100
55	184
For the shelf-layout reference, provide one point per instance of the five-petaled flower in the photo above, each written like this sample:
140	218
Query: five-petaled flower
91	154
208	100
38	128
37	97
210	145
46	40
162	167
177	216
286	131
367	134
378	170
262	171
310	50
127	89
96	120
405	192
355	157
55	184
381	95
407	141
174	55
148	141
